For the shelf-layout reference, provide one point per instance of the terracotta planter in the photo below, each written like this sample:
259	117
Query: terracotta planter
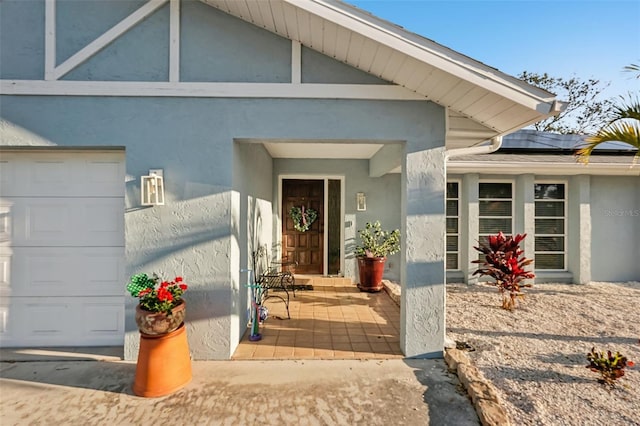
164	364
157	323
371	270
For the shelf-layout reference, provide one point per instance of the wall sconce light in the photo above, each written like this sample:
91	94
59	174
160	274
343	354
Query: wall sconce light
361	202
152	188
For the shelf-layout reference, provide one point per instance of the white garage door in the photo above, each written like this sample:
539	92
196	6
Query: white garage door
61	248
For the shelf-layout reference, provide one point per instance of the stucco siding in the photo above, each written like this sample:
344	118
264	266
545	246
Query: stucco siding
219	47
140	54
319	68
615	218
252	171
22	39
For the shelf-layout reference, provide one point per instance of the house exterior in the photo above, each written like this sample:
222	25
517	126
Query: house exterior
247	108
581	220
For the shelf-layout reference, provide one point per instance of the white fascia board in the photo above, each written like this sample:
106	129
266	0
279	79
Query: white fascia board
206	90
452	62
540	168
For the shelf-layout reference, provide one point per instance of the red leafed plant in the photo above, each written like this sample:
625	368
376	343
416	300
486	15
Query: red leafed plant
610	366
504	262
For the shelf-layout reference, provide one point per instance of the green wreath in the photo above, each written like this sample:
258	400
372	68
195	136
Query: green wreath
302	218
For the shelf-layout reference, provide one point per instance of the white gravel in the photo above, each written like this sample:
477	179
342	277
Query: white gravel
536	355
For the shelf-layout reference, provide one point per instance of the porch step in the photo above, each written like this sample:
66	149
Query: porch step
322	281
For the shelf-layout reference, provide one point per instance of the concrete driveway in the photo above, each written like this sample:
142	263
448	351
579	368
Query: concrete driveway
313	392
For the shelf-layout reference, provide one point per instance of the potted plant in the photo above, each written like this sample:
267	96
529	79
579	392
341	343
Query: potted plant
164	362
161	309
376	245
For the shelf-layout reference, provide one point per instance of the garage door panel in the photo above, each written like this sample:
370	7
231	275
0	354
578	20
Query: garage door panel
75	321
62	174
60	222
63	271
5	221
102	319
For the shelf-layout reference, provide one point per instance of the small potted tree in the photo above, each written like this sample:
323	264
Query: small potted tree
376	245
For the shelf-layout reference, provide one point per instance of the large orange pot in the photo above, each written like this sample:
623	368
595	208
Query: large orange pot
164	364
371	270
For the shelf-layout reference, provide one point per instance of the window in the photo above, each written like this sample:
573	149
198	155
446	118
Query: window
550	226
496	209
453	204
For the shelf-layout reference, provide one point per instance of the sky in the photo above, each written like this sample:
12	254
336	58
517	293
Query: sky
583	38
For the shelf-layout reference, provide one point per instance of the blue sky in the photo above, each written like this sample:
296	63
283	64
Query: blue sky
586	39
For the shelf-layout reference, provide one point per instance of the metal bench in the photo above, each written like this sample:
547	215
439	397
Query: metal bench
274	278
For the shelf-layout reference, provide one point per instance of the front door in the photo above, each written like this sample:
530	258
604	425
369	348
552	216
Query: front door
304	247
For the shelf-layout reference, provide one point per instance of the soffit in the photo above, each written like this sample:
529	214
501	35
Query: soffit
483	101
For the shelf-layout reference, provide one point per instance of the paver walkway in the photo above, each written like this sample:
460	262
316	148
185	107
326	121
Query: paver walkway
335	320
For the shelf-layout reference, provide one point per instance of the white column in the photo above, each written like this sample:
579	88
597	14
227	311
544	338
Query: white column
579	225
525	216
469	226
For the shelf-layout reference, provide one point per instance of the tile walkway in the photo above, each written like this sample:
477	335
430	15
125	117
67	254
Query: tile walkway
335	320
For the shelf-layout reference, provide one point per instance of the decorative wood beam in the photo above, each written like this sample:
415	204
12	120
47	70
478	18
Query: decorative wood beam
107	38
296	62
174	41
206	90
50	39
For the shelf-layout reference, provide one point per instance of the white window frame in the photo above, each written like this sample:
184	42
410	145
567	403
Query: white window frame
512	199
565	218
457	234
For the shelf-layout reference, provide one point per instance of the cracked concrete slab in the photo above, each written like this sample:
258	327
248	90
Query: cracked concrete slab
313	392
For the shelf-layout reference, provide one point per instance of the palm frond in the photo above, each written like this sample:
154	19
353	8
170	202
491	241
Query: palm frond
620	131
633	68
627	108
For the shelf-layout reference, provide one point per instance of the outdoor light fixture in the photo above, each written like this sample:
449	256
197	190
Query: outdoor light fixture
361	202
152	188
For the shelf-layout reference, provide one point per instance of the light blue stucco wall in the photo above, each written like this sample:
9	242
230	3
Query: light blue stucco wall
383	201
22	39
252	172
615	225
319	68
140	54
235	50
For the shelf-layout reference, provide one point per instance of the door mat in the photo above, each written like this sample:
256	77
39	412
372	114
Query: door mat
297	287
303	287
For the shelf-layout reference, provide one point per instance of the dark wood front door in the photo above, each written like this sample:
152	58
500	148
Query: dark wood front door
303	247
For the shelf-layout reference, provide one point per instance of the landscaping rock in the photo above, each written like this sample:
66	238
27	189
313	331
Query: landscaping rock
468	374
454	357
481	390
491	413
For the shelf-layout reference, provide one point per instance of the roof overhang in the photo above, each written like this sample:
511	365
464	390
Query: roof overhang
481	102
543	168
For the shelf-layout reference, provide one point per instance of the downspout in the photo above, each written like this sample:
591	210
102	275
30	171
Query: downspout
495	145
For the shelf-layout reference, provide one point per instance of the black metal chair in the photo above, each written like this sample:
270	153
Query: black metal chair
274	278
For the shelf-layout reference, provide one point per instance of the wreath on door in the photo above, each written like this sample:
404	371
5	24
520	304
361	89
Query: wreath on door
302	217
